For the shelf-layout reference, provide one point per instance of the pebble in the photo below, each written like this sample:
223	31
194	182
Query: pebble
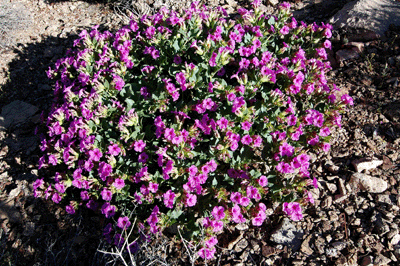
367	183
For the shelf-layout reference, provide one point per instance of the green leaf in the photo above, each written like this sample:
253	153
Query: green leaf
129	103
175	214
271	20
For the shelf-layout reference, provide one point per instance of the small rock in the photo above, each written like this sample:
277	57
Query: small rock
331	252
381	260
331	187
367	183
273	2
241	245
384	199
342	187
356	46
395	240
288	235
15	113
305	246
339	245
344	55
367	261
366	164
392	233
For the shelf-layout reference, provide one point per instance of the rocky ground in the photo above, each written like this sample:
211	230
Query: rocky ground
355	220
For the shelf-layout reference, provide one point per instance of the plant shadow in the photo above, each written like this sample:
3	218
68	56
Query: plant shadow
35	231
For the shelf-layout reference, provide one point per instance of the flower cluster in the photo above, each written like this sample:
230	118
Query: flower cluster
179	117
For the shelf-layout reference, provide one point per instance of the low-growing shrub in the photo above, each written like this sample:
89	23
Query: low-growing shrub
194	120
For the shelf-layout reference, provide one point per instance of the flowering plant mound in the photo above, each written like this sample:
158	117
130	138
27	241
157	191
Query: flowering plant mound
195	120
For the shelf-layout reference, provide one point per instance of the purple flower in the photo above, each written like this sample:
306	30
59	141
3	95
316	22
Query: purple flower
284	30
104	170
106	194
169	198
206	253
84	195
95	155
212	60
119	183
108	210
218	213
246	125
346	99
69	209
123	222
191	200
143	157
119	82
246	140
114	149
56	198
139	145
293	210
177	60
263	181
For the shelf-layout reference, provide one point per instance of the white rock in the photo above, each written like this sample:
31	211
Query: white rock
375	15
366	164
367	183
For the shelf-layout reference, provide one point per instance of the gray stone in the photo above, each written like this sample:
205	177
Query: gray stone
288	235
15	113
374	15
366	164
344	55
367	183
381	260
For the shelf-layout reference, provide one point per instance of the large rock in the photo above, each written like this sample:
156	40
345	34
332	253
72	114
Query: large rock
288	235
374	15
367	183
15	113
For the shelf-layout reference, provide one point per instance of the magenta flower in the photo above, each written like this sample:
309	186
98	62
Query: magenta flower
246	125
119	82
263	181
119	183
284	30
252	192
69	209
286	149
108	210
324	132
106	194
191	200
284	168
246	140
212	60
293	210
206	253
123	222
259	219
56	198
153	187
346	99
218	213
95	155
104	170
169	198
139	145
326	147
114	149
84	195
